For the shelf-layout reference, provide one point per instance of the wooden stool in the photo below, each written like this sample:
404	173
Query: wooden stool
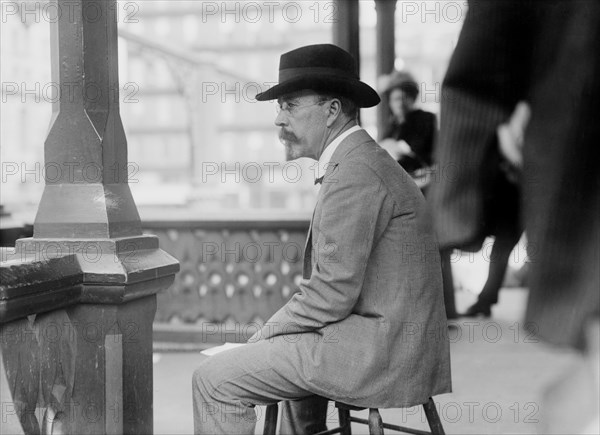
375	423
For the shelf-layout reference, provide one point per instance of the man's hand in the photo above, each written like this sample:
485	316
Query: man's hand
510	138
396	148
405	149
510	135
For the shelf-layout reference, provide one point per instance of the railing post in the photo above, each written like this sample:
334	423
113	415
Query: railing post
88	274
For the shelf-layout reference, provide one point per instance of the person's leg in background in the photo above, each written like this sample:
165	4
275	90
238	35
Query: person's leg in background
447	277
448	283
501	250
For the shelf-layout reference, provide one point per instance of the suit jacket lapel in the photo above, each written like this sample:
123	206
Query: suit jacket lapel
353	140
307	265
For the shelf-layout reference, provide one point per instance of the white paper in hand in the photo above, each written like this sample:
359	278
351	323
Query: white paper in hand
218	349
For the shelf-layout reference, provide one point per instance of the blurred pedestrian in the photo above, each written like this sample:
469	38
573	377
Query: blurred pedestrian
508	230
547	54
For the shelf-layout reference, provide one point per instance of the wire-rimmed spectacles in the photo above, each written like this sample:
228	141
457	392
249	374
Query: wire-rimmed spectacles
290	108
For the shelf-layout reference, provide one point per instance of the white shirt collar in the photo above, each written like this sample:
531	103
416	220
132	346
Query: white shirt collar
328	152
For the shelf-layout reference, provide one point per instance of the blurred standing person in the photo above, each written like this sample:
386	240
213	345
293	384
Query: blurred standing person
410	138
503	246
548	54
508	228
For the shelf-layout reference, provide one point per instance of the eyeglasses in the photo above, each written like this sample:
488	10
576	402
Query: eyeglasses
291	109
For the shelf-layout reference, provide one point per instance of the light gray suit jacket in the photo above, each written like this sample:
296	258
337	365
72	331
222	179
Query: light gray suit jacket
369	315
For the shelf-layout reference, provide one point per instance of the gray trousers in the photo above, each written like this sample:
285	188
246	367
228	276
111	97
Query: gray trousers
228	386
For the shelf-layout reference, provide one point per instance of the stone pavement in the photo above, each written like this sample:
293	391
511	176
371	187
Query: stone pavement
498	375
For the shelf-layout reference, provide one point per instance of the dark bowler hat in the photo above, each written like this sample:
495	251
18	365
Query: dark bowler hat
325	68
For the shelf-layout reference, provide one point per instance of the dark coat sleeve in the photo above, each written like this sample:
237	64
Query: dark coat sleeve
546	53
486	77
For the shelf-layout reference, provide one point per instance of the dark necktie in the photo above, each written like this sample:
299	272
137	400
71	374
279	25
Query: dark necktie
319	180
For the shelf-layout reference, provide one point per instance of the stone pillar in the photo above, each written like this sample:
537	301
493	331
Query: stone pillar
386	51
86	193
88	274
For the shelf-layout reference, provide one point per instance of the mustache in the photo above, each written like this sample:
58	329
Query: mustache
287	136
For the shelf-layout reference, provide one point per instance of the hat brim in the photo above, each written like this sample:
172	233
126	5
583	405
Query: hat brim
361	93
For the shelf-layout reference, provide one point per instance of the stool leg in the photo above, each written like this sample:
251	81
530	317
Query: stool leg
375	422
271	420
344	416
433	418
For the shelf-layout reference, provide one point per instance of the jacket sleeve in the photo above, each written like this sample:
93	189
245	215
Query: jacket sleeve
355	211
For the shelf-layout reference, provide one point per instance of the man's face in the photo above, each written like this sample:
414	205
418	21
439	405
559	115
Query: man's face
303	124
400	102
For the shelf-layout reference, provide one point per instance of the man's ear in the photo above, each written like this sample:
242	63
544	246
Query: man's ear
334	111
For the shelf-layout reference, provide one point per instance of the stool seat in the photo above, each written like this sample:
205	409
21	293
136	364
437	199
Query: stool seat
375	423
341	405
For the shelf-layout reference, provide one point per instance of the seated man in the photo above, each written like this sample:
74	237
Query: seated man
367	326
